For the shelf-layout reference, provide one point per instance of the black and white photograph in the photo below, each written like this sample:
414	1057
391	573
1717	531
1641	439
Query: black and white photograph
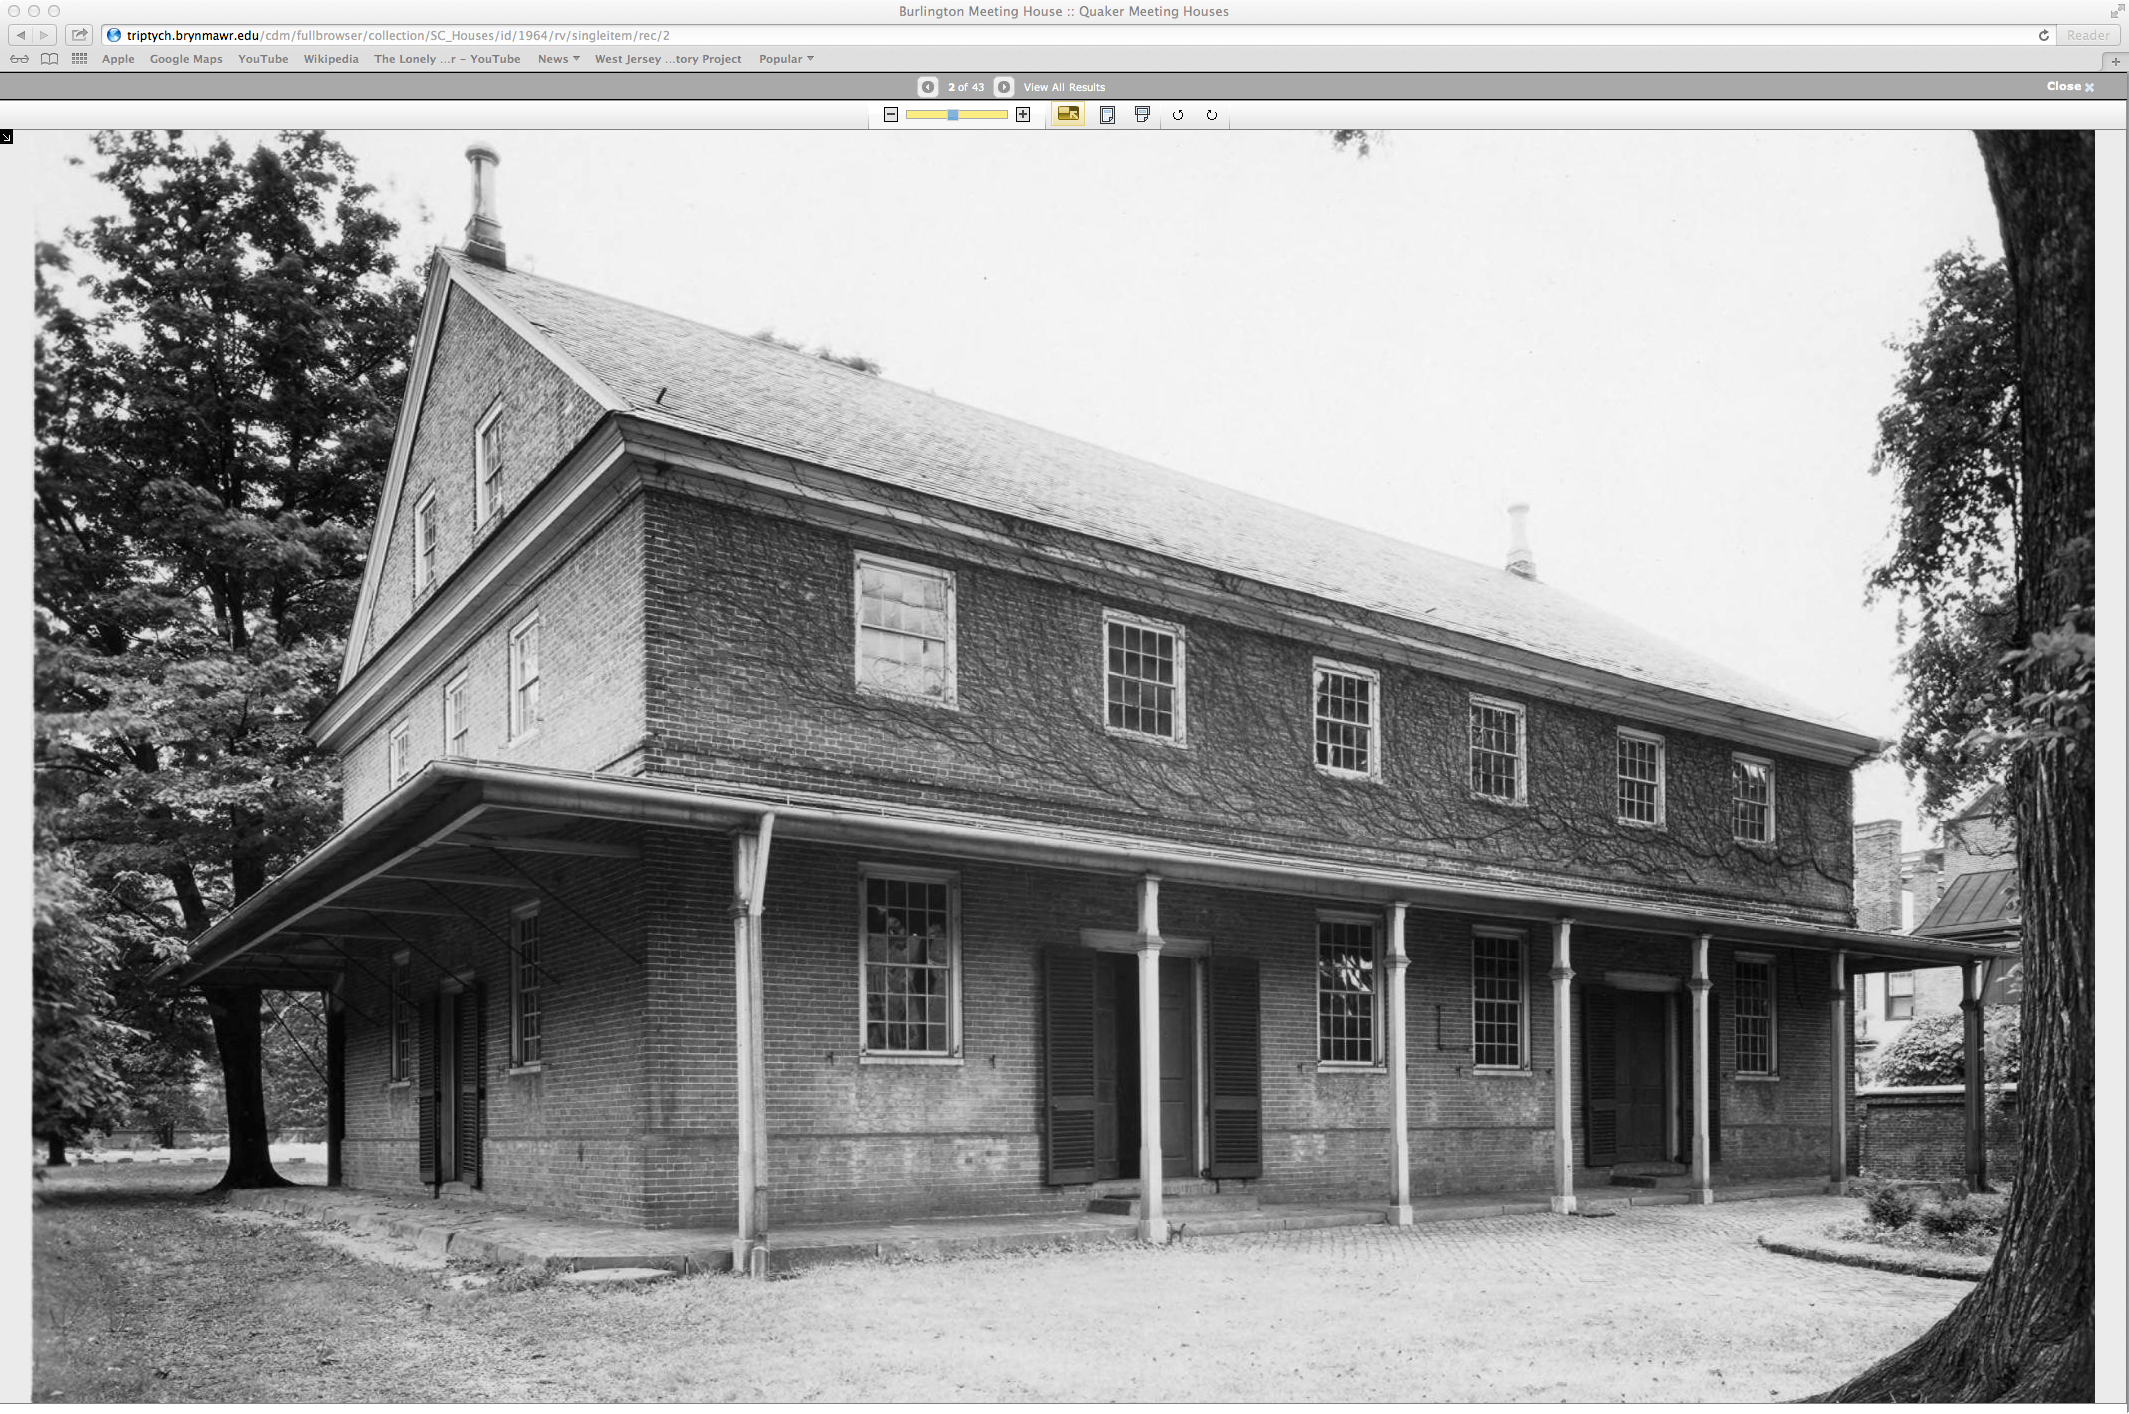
1275	766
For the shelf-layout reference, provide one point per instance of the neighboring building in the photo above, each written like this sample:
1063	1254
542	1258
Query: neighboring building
772	789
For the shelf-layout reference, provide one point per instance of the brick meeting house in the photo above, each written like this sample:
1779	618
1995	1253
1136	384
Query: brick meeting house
777	796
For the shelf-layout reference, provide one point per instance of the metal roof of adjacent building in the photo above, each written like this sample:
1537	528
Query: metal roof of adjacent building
718	384
1983	902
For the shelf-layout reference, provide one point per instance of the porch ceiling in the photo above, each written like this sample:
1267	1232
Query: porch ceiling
459	832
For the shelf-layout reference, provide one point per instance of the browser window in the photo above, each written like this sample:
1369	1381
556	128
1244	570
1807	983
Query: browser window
1403	396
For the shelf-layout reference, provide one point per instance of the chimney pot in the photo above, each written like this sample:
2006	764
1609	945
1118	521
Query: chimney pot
484	230
1520	561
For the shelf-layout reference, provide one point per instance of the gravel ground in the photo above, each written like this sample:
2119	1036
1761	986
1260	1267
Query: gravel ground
146	1292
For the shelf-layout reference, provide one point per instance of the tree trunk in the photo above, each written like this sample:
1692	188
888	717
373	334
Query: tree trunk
2026	1331
239	1037
55	1151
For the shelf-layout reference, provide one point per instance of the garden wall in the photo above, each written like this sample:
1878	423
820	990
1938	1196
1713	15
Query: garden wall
1919	1131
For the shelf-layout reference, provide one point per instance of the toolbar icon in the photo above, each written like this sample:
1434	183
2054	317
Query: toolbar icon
1108	114
1025	113
1002	86
1068	115
927	87
1142	112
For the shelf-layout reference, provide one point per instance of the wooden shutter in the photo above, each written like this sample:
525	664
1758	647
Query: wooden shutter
1600	1078
472	1108
1232	1048
1714	1078
1068	1037
431	1089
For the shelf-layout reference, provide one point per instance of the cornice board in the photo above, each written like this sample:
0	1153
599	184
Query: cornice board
841	500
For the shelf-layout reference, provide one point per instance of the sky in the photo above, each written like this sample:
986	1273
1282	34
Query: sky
1673	345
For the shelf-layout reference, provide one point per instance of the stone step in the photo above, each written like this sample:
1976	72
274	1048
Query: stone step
1174	1203
1223	1225
1660	1175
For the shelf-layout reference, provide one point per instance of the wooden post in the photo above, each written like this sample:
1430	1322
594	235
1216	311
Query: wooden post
1563	1070
1976	978
1394	1035
750	869
335	1084
1703	1076
1837	1058
1152	1225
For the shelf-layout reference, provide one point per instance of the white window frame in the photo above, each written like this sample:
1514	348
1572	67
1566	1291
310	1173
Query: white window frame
455	713
1739	758
1737	997
1373	923
399	751
1321	668
425	541
1522	749
525	979
1891	996
1662	779
399	1042
952	880
1181	735
952	698
520	729
486	505
1522	1005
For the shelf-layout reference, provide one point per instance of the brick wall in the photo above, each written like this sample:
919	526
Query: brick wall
1920	1132
1877	877
750	633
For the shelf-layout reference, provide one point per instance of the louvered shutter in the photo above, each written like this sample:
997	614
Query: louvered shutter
1232	1052
431	1089
1068	1038
1714	1077
1600	1078
472	1108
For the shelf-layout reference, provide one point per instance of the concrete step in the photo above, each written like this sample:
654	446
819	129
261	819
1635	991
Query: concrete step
1226	1224
1174	1203
1650	1175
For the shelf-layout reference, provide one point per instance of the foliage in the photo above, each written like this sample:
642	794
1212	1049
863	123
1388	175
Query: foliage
74	1042
1950	1219
1951	439
1932	1050
1892	1207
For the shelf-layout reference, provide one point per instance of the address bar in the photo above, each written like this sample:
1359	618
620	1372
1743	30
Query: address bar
1074	31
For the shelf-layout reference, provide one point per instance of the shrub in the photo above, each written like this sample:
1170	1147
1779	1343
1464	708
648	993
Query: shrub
1892	1207
1932	1050
1951	1219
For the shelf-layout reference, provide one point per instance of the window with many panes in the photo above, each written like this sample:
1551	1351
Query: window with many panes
1640	778
457	736
909	956
402	1019
525	1011
1752	799
1144	676
1346	714
1496	749
399	752
905	616
1899	996
425	542
1345	991
488	466
525	677
1755	1015
1497	1001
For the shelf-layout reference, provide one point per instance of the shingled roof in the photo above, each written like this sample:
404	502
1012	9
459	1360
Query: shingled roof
748	391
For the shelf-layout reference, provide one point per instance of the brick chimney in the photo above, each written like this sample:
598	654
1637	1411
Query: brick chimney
1877	876
1519	557
484	231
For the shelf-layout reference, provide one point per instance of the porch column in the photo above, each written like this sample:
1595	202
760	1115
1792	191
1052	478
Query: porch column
1837	1060
1976	978
1563	1070
1152	1226
1394	1035
750	870
335	1085
1703	1077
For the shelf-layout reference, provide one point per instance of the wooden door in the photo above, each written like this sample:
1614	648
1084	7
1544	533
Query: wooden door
1178	1080
1640	1084
469	1114
1234	1083
1068	1070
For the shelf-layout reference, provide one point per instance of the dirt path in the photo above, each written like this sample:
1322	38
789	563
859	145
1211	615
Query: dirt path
156	1295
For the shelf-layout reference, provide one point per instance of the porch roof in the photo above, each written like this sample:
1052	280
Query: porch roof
453	820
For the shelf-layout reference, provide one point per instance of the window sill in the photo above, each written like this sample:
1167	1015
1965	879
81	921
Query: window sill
867	1058
1176	743
1352	1068
1365	778
1655	825
949	703
391	1085
533	1069
533	735
1753	844
1503	1072
1755	1078
1521	802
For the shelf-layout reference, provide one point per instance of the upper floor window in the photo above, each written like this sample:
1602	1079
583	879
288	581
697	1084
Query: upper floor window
1144	676
525	1008
488	466
911	953
425	542
1498	1004
1752	799
399	753
456	733
1899	996
1497	771
1346	712
1640	778
525	678
1345	991
905	617
1755	1015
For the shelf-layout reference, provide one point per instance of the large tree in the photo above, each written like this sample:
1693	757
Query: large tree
212	427
2026	1331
